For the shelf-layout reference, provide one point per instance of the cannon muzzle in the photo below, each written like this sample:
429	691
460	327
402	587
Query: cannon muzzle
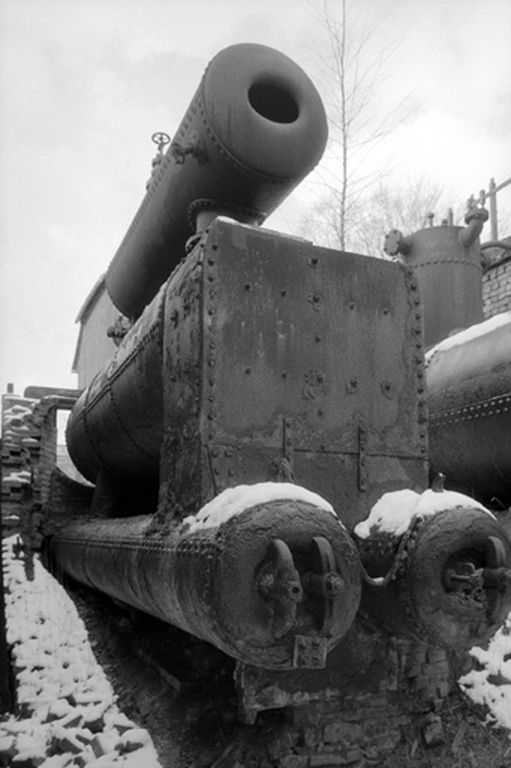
255	127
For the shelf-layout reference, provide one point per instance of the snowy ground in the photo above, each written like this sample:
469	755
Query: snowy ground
69	716
491	685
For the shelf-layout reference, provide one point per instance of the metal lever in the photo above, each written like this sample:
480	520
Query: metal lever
279	585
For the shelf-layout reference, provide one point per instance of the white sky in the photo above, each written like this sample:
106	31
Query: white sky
84	84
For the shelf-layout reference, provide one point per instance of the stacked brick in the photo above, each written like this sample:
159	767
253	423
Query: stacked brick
368	726
66	713
16	441
497	284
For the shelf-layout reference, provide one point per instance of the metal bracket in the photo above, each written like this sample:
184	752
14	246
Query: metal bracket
285	472
194	148
323	583
310	652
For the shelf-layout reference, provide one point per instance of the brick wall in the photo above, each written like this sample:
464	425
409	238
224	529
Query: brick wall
497	285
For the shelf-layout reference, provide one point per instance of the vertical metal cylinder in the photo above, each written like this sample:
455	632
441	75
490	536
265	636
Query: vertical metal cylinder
449	274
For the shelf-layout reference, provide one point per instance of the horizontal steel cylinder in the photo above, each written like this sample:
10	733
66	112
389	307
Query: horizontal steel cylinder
255	127
117	422
452	588
256	586
469	398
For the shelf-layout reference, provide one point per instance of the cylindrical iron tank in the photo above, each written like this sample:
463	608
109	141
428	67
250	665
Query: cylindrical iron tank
255	127
469	394
117	423
447	264
438	570
268	575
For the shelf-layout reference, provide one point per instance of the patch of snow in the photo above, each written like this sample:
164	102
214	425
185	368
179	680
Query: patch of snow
21	476
473	332
234	501
59	684
491	685
394	511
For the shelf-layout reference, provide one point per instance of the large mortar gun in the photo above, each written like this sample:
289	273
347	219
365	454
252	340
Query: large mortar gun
261	360
277	582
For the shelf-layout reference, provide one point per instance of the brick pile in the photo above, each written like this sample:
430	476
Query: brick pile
16	442
66	715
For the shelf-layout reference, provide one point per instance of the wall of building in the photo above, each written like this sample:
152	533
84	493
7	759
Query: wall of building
497	286
95	348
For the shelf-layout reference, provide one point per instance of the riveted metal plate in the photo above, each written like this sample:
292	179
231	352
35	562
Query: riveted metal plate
331	341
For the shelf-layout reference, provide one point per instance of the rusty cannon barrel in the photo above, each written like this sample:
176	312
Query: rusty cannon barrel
437	568
254	129
266	573
469	395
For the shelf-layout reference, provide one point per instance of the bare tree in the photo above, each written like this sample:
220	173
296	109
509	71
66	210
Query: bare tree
354	66
408	208
385	207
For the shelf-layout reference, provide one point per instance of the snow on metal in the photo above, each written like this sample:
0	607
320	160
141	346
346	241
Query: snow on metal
234	501
394	511
473	332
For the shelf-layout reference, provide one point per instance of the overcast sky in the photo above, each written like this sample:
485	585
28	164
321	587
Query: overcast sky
84	84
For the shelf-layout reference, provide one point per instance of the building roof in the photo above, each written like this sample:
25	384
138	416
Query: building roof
93	296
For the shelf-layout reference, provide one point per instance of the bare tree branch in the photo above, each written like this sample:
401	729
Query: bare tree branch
355	69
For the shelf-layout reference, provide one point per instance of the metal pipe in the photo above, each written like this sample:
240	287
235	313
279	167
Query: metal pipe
276	585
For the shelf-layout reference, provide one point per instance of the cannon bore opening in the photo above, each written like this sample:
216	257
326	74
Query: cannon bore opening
273	102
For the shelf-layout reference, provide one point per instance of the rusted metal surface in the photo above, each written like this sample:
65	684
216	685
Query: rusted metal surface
313	365
247	90
469	394
453	585
116	425
265	358
247	586
447	264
